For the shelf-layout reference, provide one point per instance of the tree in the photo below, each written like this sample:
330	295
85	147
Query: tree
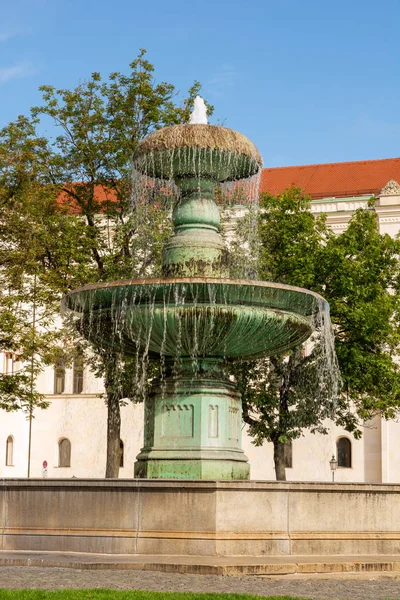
87	171
361	274
356	271
24	321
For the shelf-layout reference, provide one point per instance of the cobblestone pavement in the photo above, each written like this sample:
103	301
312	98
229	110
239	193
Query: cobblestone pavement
317	588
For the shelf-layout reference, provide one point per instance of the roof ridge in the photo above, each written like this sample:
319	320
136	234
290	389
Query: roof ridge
347	162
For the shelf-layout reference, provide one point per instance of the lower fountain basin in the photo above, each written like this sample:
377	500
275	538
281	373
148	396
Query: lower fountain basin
196	316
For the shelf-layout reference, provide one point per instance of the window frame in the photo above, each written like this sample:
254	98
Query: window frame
339	454
78	374
288	454
59	367
60	453
10	455
121	454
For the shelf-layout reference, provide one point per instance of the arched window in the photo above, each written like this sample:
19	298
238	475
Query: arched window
9	451
59	378
288	455
121	453
78	374
64	453
343	447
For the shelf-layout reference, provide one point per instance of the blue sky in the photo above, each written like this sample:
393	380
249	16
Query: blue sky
308	81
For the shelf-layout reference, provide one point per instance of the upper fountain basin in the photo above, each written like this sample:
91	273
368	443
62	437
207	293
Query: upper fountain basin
195	316
197	150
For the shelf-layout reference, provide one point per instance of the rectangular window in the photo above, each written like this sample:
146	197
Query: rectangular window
9	451
59	379
78	375
8	363
64	453
288	455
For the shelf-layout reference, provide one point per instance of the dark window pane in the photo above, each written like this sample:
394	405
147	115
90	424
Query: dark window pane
64	453
288	455
78	375
9	451
121	453
344	452
59	379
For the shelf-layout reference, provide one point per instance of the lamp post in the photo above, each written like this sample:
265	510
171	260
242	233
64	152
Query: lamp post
333	463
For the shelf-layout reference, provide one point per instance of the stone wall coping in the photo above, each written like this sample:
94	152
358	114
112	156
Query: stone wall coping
176	484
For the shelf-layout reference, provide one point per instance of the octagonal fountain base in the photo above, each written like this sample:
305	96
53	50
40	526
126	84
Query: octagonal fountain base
193	426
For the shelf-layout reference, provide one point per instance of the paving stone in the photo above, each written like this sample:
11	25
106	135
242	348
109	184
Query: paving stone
362	587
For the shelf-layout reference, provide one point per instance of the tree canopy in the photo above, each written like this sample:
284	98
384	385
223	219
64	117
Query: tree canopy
66	214
357	272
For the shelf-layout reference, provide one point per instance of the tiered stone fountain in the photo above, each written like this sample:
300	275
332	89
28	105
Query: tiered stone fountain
194	317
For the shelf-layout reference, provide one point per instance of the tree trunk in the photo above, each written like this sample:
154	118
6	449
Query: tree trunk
113	436
279	460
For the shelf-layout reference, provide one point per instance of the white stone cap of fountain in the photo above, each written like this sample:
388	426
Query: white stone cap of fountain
199	113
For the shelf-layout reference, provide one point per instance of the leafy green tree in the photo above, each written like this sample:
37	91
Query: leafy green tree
24	322
360	272
89	231
357	272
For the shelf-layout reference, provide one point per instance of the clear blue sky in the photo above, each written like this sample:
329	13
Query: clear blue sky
307	80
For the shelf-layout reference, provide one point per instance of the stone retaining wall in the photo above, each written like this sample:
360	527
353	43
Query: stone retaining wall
199	517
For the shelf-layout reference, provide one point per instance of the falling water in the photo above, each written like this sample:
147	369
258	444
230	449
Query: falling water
166	322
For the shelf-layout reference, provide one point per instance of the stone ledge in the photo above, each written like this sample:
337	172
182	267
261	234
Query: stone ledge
199	485
203	565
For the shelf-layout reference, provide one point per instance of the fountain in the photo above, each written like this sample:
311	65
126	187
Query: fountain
194	318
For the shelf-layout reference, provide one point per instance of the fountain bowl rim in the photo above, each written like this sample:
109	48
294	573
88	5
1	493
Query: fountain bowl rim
147	281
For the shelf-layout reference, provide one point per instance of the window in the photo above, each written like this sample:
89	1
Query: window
121	453
343	447
59	378
64	453
78	374
288	455
9	451
10	363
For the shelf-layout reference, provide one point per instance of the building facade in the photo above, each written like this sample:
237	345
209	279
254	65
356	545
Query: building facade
69	438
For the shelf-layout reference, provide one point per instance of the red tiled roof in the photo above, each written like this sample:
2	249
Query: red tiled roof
338	180
102	196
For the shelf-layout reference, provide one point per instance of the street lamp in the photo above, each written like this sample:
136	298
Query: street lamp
333	465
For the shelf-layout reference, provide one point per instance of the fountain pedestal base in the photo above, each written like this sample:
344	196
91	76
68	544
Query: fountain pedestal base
193	428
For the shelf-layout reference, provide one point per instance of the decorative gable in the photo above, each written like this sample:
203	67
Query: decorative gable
392	188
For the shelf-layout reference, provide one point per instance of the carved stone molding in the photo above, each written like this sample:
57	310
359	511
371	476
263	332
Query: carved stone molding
338	226
389	219
335	207
392	188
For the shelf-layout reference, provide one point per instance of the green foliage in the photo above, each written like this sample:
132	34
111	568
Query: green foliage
358	274
291	240
66	215
361	273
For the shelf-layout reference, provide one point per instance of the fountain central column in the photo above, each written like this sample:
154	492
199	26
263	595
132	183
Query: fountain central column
193	417
196	249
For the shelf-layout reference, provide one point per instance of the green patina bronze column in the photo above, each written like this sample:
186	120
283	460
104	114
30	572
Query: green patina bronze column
193	422
196	249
